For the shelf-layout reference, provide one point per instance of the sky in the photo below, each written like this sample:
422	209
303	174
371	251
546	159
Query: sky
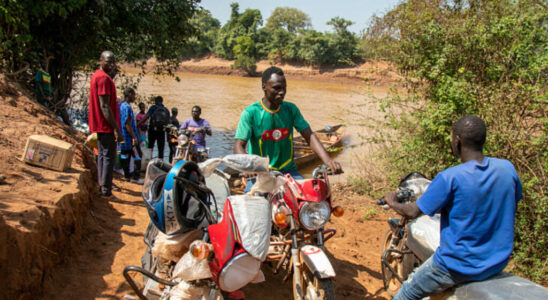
319	11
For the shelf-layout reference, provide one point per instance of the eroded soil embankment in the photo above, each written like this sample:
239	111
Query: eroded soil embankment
40	210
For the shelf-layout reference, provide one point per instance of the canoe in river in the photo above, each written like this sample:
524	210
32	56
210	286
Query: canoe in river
330	137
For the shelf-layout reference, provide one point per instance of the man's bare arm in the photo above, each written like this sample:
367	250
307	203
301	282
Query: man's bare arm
109	116
409	210
314	142
129	129
240	146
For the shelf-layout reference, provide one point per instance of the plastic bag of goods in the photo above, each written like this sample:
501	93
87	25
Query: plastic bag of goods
247	163
253	218
189	268
267	183
172	248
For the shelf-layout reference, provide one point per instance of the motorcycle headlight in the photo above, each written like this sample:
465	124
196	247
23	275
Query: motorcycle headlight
313	215
182	139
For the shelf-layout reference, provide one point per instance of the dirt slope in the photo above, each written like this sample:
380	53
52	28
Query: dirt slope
39	208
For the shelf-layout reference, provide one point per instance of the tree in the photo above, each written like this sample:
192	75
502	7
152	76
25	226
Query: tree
290	19
344	41
74	32
207	28
245	24
482	57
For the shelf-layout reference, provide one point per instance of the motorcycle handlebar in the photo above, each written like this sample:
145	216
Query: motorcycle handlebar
403	195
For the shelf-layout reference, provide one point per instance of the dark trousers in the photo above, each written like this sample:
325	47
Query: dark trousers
157	136
125	159
172	150
106	144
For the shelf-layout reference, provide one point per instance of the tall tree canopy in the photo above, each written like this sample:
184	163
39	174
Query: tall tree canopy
74	32
290	19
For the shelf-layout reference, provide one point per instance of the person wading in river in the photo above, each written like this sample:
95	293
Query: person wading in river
266	128
477	200
104	119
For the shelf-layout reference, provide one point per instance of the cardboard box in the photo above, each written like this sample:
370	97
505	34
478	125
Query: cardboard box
48	152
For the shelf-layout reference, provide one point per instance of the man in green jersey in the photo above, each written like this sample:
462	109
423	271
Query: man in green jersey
266	128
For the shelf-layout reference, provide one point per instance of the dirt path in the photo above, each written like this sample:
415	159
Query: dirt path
114	240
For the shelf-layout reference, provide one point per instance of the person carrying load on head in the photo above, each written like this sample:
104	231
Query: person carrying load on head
159	118
266	128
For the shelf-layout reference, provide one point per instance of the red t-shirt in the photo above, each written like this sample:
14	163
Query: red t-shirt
101	84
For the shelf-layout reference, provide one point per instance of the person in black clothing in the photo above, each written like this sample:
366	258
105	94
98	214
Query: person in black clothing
159	117
173	145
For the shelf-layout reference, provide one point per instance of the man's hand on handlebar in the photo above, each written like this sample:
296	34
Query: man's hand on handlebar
391	198
335	167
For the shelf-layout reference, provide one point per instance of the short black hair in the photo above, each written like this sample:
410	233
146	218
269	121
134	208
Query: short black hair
128	91
472	129
196	106
272	70
141	103
174	110
159	99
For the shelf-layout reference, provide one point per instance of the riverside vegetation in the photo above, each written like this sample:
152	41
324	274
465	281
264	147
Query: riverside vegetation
458	57
482	57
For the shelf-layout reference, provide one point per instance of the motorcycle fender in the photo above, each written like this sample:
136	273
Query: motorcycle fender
317	262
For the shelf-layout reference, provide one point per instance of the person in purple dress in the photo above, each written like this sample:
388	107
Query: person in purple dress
199	125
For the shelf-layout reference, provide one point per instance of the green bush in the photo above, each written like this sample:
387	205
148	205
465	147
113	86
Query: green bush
487	58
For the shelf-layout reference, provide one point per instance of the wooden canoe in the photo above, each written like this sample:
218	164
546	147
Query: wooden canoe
331	140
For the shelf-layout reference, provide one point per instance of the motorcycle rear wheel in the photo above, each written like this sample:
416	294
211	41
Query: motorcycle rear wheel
403	265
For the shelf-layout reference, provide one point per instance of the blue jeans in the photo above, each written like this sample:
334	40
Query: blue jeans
294	173
428	279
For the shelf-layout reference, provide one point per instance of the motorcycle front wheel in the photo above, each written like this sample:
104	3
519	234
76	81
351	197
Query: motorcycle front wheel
315	288
403	264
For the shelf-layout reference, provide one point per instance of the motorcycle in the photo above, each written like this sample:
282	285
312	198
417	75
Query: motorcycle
410	242
300	211
186	147
226	247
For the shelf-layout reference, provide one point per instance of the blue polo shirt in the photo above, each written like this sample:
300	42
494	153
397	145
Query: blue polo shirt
477	202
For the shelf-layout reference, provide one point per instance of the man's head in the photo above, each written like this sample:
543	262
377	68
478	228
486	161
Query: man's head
129	95
174	111
107	61
142	107
158	100
468	132
274	85
196	112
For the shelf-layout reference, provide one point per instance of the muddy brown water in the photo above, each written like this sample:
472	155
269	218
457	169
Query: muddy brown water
222	99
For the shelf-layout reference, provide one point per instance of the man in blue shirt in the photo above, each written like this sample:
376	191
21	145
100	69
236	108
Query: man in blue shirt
477	200
130	147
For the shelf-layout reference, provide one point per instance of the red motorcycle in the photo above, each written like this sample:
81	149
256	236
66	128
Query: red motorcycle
300	211
229	253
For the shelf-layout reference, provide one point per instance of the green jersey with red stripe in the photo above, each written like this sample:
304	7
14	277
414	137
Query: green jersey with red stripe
270	133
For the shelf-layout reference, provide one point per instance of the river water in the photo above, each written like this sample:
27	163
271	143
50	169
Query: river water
222	99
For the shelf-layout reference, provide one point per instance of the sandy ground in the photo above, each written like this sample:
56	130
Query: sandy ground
115	240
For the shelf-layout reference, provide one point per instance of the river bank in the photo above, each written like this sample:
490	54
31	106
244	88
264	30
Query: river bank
59	240
373	73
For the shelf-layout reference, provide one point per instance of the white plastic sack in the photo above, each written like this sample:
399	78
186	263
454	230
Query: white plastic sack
267	183
424	235
247	163
171	248
207	167
187	291
253	218
189	268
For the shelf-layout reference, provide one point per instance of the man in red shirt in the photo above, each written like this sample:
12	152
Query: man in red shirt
104	119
